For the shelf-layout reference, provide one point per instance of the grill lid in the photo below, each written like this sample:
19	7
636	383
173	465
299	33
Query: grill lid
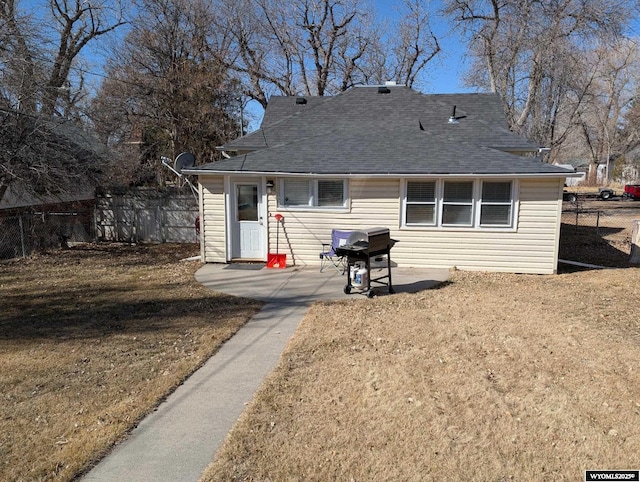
364	235
357	237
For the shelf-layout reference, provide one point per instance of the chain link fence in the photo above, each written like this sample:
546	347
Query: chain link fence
598	236
14	241
26	233
610	223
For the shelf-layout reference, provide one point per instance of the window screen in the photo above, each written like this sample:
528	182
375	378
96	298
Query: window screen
421	202
325	193
457	203
458	192
421	191
496	191
492	215
330	193
295	192
496	204
420	214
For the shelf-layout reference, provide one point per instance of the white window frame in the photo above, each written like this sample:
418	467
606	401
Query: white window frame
482	202
471	203
476	205
435	203
313	194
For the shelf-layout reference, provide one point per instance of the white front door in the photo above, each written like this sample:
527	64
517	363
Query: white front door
248	230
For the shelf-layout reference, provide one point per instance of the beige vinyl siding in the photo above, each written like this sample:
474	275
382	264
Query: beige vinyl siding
212	219
531	248
373	203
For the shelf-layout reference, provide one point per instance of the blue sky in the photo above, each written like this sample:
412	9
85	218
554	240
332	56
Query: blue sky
444	73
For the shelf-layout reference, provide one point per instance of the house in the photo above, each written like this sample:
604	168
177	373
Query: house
30	221
579	178
47	189
442	172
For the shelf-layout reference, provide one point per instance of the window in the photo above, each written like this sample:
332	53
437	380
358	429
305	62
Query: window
330	193
295	192
324	193
495	205
421	202
247	202
459	203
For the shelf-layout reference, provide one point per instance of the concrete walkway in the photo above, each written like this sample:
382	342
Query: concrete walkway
178	440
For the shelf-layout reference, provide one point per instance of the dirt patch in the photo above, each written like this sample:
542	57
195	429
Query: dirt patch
491	377
91	340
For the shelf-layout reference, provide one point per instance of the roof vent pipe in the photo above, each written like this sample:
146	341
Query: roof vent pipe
383	90
301	101
454	119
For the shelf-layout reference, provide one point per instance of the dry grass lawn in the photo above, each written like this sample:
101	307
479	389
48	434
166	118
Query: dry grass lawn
92	339
492	377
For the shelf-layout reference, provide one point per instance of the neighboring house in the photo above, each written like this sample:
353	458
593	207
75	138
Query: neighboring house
443	172
14	199
577	179
74	158
32	222
582	168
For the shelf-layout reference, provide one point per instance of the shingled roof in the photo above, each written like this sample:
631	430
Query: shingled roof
393	130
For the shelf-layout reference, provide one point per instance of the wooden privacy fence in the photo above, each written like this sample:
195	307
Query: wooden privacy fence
145	215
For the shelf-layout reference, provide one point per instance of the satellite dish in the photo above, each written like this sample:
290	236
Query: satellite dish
184	161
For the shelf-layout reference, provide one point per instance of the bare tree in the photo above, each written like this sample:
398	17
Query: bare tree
166	93
255	39
327	26
414	46
631	126
616	70
78	22
529	51
319	47
47	156
40	74
18	55
37	55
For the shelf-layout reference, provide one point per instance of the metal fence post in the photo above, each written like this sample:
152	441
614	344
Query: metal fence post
134	235
95	224
634	257
161	222
24	254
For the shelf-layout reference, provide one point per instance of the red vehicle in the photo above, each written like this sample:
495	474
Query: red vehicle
632	191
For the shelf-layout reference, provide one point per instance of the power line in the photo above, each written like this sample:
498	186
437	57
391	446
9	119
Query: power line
102	75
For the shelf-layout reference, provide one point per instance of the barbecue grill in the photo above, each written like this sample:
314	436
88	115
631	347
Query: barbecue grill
361	247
